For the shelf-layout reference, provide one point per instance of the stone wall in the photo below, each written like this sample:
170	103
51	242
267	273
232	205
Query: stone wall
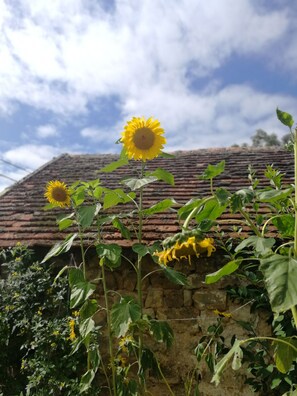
189	311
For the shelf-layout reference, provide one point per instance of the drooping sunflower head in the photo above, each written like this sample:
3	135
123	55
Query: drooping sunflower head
185	249
57	193
143	138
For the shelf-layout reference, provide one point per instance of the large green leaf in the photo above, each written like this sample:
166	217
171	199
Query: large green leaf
159	207
285	353
140	249
162	332
86	214
85	327
260	244
227	269
274	195
280	274
211	210
221	365
285	118
86	381
175	277
285	225
114	165
124	313
88	309
162	174
135	184
60	247
114	197
111	253
81	289
213	170
185	210
125	232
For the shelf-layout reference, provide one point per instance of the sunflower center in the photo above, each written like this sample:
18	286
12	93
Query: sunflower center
144	138
59	194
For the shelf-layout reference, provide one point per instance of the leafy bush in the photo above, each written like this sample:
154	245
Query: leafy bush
36	329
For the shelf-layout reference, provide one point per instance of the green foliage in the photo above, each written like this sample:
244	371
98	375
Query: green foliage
123	314
36	352
213	171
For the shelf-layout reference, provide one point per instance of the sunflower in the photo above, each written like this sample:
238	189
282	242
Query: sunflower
57	193
143	139
186	249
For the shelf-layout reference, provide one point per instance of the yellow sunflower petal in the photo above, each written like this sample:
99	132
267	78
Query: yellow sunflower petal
143	138
57	193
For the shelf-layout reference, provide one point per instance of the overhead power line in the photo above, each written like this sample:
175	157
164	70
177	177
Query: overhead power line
7	177
16	166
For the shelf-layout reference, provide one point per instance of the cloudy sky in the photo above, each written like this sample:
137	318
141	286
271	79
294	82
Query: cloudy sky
72	72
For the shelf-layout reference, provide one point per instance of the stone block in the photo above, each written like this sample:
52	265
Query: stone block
210	299
154	298
188	301
173	298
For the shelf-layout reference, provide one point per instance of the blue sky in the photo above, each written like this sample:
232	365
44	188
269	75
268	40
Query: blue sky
72	72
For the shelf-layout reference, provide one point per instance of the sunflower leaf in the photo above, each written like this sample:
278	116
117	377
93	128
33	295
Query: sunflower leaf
60	247
135	184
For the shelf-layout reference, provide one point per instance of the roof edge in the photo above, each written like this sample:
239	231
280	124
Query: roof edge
32	174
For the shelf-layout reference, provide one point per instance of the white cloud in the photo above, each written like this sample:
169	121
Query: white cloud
45	131
31	156
62	55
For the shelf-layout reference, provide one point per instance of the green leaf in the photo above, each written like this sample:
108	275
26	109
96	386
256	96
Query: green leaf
88	309
65	221
162	332
275	195
227	269
149	362
140	249
259	244
280	274
285	354
114	197
185	210
114	165
222	195
162	174
285	225
213	170
135	184
85	327
86	381
175	277
211	210
86	214
60	247
94	357
81	290
221	365
111	253
237	359
166	155
159	207
118	224
124	313
285	118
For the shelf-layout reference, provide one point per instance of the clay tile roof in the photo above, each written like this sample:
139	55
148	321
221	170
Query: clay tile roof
22	218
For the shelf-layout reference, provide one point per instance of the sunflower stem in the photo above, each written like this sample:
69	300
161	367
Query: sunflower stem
293	309
139	280
111	354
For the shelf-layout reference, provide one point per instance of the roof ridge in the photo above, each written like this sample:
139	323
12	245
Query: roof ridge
32	174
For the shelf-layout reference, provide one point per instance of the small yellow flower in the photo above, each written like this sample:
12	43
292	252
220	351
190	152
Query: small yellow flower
186	249
57	193
72	335
39	312
143	138
222	314
56	333
124	342
120	361
75	314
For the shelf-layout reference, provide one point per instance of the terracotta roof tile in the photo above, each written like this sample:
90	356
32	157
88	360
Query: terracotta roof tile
22	217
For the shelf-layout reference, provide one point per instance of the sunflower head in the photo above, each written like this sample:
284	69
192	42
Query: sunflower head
185	249
143	138
57	193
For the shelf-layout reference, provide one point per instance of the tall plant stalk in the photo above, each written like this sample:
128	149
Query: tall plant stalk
293	309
